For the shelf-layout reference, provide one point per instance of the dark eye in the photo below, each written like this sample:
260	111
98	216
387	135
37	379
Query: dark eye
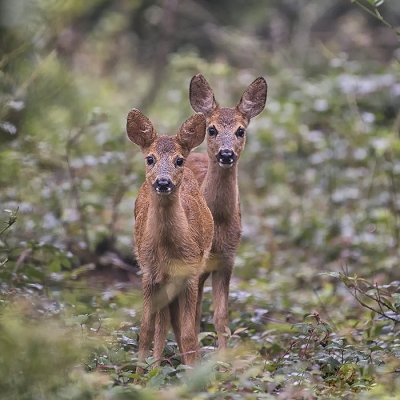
150	160
179	162
240	132
212	131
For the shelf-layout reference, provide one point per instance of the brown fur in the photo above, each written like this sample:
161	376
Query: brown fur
173	235
220	187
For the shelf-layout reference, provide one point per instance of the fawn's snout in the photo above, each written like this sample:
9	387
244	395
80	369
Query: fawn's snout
226	158
163	186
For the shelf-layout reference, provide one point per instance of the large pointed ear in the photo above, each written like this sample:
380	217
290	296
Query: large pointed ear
139	128
201	96
192	133
253	99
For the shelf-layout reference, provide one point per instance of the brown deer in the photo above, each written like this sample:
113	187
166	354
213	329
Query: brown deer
173	235
217	174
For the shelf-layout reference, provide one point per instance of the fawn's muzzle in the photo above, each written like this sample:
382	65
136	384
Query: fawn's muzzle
163	186
226	158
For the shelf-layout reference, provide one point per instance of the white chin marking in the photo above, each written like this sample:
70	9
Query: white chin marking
225	165
163	193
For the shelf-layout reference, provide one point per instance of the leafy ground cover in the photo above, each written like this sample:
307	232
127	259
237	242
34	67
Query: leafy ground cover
315	297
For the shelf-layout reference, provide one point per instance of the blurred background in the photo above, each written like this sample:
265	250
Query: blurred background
319	178
320	172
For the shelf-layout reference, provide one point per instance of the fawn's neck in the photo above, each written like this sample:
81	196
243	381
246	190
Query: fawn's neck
167	217
220	189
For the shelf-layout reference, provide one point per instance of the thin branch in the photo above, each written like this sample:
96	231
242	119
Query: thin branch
74	187
393	200
376	14
11	220
8	57
26	253
372	178
167	32
381	313
396	124
20	91
120	193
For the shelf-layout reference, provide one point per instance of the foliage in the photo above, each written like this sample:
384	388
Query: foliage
319	186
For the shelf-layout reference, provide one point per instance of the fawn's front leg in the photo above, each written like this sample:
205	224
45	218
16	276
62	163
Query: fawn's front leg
187	322
220	291
199	304
161	328
148	323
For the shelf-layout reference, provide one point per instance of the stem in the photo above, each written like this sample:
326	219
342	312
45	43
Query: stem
376	14
11	220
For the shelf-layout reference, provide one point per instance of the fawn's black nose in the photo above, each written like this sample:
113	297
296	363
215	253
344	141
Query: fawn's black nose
163	186
226	157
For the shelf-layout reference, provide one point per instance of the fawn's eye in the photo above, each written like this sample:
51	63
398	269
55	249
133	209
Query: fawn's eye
240	132
212	131
150	160
179	162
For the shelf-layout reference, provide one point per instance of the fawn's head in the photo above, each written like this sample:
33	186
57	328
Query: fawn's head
226	127
165	155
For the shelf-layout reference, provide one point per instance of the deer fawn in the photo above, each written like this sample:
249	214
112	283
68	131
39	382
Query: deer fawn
173	235
217	175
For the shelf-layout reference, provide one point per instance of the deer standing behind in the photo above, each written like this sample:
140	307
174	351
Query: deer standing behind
173	235
217	174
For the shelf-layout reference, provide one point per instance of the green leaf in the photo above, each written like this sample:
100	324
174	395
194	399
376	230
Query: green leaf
204	335
66	263
156	382
388	304
153	372
81	319
376	3
54	266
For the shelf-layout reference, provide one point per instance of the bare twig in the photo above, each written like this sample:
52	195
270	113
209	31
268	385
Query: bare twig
74	187
359	124
287	351
25	84
120	193
6	58
379	311
26	253
393	199
167	31
396	124
372	179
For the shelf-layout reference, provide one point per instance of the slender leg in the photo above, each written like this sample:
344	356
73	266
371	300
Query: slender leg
147	325
187	303
161	329
220	290
199	303
174	311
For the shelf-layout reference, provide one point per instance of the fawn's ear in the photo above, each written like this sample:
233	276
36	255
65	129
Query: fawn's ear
201	96
192	133
139	128
253	99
